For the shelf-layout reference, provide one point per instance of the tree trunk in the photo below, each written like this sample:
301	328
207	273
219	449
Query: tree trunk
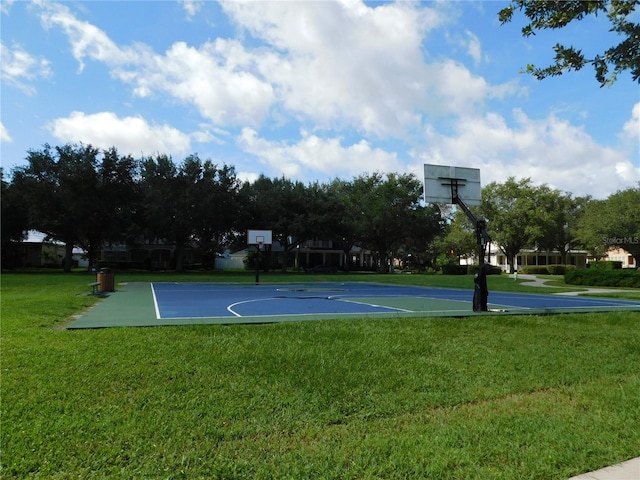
68	256
179	257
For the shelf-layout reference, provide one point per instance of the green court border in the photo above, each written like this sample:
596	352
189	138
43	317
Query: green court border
131	305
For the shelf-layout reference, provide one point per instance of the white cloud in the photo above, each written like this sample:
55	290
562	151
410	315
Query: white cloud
329	65
550	151
130	135
216	78
20	69
630	136
4	134
191	7
86	39
474	47
5	6
343	64
631	129
312	155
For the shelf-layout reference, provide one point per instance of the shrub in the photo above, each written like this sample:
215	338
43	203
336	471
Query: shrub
491	270
606	265
601	277
452	269
559	269
534	270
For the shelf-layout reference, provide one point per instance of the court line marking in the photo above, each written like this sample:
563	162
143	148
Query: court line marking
620	305
155	302
230	307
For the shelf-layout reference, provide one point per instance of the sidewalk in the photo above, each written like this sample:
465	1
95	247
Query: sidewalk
533	281
629	470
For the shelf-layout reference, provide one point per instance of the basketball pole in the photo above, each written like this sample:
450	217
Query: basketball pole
481	292
258	264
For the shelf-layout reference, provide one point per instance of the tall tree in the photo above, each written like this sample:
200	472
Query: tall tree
113	205
61	185
289	209
170	204
460	237
559	214
217	190
344	214
623	221
387	205
510	211
424	225
590	231
552	14
612	223
15	220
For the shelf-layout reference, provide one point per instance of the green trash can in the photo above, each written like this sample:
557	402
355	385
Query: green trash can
106	279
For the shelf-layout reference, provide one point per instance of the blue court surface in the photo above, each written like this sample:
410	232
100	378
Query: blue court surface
145	304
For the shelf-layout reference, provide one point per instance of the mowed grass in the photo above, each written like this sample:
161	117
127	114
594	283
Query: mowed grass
526	397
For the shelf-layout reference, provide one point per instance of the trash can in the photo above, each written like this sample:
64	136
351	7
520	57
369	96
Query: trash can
106	279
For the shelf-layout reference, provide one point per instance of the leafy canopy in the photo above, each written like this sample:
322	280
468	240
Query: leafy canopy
544	14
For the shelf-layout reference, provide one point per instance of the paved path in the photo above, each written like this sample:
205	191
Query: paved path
534	281
629	470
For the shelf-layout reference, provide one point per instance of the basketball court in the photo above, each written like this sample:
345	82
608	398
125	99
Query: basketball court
155	304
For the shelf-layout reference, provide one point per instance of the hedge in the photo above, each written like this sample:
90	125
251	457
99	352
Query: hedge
548	269
606	265
453	269
491	270
600	277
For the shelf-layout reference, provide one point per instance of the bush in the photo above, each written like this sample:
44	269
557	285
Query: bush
452	269
491	270
547	269
601	277
606	265
559	269
534	270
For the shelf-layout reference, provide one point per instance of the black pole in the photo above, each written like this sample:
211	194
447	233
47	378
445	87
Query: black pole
480	290
257	264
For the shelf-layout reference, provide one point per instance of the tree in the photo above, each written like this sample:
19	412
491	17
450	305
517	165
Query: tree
344	215
551	14
511	216
170	203
559	214
460	237
424	225
387	206
217	190
59	186
624	221
286	208
613	223
590	231
15	220
113	205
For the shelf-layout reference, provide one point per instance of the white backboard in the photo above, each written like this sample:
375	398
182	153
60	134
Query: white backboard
259	237
438	180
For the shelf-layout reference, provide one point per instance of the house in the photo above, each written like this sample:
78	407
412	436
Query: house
617	254
157	255
531	257
37	250
305	255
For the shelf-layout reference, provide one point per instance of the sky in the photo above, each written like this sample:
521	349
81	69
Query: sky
316	90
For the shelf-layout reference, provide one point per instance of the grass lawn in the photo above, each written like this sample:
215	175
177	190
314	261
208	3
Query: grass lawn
526	397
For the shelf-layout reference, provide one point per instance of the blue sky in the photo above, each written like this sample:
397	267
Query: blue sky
316	90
